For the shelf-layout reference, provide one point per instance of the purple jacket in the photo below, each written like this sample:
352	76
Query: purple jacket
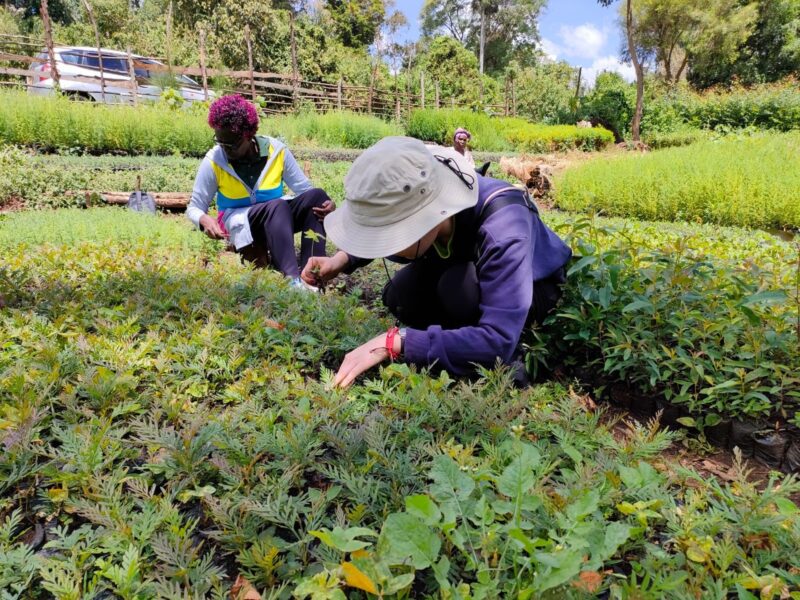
512	249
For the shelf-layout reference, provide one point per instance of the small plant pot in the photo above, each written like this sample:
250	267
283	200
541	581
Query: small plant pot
669	414
770	447
643	408
742	437
791	460
720	434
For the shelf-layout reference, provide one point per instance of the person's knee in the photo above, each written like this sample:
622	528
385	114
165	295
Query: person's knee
315	197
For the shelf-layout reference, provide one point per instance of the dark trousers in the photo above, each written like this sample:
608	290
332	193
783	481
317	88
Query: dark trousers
273	225
428	293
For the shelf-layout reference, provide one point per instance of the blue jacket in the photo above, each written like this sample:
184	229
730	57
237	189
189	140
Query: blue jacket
512	249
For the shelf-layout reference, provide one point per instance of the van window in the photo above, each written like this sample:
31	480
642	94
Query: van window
71	58
110	63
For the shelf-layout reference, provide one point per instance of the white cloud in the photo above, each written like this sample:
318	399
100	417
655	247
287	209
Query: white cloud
608	63
584	41
551	49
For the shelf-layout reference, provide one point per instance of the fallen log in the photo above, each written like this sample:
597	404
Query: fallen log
534	173
168	200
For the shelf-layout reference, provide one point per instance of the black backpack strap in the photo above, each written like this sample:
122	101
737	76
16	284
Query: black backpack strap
494	203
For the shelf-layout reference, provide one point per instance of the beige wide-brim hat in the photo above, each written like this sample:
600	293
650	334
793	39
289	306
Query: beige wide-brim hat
396	192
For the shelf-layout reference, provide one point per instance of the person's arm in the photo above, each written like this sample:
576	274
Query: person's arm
293	175
205	186
504	268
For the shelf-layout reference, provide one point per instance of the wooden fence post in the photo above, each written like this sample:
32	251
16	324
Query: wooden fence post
203	73
295	70
422	89
169	37
92	20
48	38
132	75
371	88
250	62
339	95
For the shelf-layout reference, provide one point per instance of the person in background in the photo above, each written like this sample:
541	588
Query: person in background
246	173
461	138
481	264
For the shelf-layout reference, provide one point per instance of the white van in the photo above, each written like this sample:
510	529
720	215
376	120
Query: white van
84	63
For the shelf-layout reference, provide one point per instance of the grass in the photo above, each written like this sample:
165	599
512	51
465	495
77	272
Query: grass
748	181
504	133
167	426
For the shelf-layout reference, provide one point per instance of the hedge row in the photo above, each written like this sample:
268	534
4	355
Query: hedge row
748	181
64	125
504	133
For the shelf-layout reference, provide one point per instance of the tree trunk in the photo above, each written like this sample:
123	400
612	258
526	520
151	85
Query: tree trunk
483	37
637	66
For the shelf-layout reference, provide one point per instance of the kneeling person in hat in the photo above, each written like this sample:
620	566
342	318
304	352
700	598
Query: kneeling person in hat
482	264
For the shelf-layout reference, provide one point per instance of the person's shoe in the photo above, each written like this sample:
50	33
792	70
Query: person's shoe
302	285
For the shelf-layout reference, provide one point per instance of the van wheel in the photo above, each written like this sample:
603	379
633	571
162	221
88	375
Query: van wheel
80	97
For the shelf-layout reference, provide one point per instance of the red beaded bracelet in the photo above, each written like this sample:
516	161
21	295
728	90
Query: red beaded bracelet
390	343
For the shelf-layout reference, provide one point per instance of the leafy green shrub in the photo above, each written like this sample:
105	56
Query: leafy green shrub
332	129
706	318
680	136
173	412
773	106
54	181
610	103
503	133
746	181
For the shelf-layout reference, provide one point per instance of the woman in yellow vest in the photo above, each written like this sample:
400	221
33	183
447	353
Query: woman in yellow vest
246	173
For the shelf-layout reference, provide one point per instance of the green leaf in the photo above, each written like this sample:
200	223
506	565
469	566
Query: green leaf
424	508
767	297
636	305
518	477
687	421
405	536
584	505
449	483
786	507
564	565
344	540
585	261
616	534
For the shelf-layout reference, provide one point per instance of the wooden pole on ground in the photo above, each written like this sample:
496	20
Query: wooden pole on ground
93	21
250	62
339	95
48	38
132	76
203	73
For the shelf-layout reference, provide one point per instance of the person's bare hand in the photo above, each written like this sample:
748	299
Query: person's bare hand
327	207
212	229
321	269
360	360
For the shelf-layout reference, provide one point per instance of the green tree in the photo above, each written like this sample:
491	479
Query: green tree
611	103
497	30
770	52
356	22
454	67
545	92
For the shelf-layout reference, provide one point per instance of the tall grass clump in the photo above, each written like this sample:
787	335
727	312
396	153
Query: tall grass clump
744	181
335	129
498	134
60	124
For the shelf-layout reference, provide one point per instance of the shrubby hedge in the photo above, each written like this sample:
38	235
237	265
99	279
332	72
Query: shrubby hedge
773	106
62	124
52	181
503	133
749	181
704	317
170	409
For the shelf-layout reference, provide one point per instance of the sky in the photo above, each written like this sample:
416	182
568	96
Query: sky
581	32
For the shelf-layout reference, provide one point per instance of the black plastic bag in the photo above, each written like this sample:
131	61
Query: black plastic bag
770	447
